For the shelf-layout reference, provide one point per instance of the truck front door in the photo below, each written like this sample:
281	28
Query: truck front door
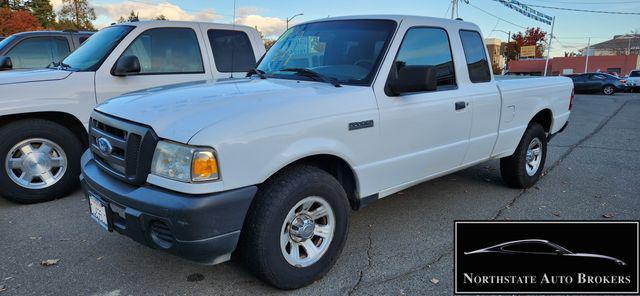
422	133
167	56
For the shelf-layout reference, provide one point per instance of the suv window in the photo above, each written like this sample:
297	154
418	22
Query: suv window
167	51
428	47
38	52
530	248
635	74
232	50
83	39
476	56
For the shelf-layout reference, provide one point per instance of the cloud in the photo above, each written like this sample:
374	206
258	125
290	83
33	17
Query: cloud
270	27
171	11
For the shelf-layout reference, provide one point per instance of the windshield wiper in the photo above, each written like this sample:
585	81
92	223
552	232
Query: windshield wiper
313	74
258	72
58	65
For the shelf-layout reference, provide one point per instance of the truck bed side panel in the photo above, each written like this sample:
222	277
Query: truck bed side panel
522	99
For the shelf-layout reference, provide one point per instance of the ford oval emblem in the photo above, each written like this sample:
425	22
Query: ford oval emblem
105	146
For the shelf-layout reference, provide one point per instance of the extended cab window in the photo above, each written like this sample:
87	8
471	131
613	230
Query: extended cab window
38	52
232	50
428	47
167	51
476	56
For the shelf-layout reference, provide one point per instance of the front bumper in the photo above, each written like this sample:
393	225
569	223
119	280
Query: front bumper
201	228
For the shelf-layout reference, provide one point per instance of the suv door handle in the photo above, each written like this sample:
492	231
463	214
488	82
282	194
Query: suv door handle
461	105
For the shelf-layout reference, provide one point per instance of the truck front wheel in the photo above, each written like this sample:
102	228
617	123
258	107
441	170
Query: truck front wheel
296	227
40	161
524	167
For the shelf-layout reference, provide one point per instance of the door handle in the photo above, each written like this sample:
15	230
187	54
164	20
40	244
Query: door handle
461	105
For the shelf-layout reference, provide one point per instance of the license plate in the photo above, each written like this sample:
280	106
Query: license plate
98	212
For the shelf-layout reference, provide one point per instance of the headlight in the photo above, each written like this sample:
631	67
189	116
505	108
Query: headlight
184	163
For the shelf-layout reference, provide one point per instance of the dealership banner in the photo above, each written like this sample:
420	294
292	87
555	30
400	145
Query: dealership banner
527	11
546	257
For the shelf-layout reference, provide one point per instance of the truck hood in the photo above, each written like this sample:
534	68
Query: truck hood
24	76
236	106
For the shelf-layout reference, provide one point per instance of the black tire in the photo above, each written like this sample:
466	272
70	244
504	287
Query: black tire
609	90
18	131
259	247
513	168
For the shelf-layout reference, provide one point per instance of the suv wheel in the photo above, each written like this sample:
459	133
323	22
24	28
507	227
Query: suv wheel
609	90
40	161
524	167
296	227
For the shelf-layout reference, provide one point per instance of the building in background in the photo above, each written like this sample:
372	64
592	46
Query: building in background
495	50
628	44
619	64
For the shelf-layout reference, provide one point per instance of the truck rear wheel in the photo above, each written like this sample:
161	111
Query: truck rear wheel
524	167
296	227
40	161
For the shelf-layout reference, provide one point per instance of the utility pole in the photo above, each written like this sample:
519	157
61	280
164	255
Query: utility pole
546	63
586	63
454	7
290	18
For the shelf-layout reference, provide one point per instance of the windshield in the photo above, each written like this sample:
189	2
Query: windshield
6	41
635	74
348	51
95	50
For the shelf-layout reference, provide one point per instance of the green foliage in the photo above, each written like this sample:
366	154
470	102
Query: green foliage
76	14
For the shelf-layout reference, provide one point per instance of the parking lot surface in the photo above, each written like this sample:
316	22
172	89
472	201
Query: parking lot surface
402	244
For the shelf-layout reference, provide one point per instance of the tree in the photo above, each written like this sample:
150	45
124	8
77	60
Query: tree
77	14
531	36
160	18
12	22
43	11
12	4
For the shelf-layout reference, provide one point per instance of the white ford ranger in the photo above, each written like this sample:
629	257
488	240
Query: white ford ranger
44	113
339	113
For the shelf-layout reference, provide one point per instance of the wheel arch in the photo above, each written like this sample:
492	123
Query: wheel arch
65	119
336	166
545	118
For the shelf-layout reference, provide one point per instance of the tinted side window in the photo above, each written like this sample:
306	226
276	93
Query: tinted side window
476	56
428	47
83	39
167	51
39	52
232	50
635	74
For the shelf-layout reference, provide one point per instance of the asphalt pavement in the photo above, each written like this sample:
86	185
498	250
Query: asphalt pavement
402	244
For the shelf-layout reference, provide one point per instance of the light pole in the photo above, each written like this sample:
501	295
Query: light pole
505	51
289	19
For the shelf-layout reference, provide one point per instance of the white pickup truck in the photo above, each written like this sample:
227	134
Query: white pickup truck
44	113
339	113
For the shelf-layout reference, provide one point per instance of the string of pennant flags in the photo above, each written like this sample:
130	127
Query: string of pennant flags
527	11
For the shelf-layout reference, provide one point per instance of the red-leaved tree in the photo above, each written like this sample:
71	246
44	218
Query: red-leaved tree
531	36
14	21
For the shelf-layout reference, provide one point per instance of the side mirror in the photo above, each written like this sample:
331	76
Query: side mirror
126	65
413	79
5	63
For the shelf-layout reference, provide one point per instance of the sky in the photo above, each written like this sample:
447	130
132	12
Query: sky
572	29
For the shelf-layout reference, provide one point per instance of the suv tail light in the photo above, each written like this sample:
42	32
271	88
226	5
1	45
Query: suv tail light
573	94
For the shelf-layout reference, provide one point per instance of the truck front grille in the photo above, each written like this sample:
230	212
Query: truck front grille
121	148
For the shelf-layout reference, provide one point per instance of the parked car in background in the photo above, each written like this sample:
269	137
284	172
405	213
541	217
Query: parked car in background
38	49
633	80
598	82
339	113
45	112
